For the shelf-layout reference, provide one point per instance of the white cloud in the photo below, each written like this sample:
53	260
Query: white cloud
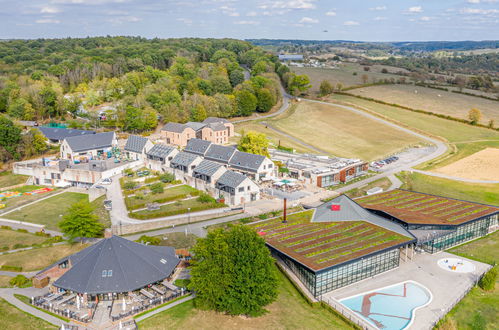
88	2
482	1
47	21
415	9
350	23
331	13
479	11
378	8
187	21
380	18
230	11
124	19
309	20
251	14
291	4
50	10
247	22
425	18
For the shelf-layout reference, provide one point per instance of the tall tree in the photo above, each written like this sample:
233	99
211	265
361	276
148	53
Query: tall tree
299	84
233	272
246	102
325	88
254	143
474	115
80	221
10	136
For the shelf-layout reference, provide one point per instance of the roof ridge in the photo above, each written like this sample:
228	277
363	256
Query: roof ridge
95	263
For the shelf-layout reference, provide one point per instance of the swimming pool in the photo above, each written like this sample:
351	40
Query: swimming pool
391	307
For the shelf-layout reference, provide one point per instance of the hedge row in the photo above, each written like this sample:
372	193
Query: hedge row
159	200
464	121
11	268
162	213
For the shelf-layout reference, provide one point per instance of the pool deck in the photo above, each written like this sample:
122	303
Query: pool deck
446	287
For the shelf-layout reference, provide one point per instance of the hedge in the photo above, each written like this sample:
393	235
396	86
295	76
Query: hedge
160	213
11	268
159	200
488	281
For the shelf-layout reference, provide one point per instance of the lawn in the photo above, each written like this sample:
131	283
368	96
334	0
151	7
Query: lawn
37	259
169	194
4	281
8	179
178	207
178	240
289	311
341	132
474	192
479	309
101	212
384	183
433	100
14	319
10	238
14	202
48	212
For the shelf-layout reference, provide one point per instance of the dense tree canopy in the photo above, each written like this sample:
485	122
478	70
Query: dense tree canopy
81	222
233	272
254	143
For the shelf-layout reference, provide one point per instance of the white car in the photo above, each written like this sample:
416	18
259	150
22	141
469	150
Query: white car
106	181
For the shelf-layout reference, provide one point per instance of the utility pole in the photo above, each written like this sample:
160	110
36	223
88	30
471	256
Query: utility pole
284	215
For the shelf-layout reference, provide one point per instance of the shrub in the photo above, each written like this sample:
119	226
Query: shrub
167	178
42	234
488	281
6	227
142	215
205	198
22	230
144	239
157	188
129	185
19	246
20	281
11	268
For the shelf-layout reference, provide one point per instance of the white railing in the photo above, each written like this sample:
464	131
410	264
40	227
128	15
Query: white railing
347	313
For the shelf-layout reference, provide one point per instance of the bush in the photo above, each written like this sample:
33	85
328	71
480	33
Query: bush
167	178
157	188
22	230
6	227
20	281
488	281
11	268
42	234
129	185
205	198
144	239
19	246
162	213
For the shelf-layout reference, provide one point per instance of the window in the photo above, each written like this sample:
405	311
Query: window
110	273
163	261
241	189
104	273
249	188
47	181
270	166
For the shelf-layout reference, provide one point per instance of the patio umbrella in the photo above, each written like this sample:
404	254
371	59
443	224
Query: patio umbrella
123	305
62	326
121	326
78	302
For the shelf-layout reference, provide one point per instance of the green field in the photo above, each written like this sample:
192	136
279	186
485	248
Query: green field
14	319
468	139
9	238
178	240
433	100
173	193
174	208
344	74
341	132
36	259
481	193
4	281
48	212
8	179
14	202
289	311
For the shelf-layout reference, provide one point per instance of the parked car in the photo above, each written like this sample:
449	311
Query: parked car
106	181
108	204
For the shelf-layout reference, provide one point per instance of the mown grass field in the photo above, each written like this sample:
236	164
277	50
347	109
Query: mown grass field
14	319
468	139
383	183
173	192
10	238
14	202
4	281
289	311
48	212
479	309
36	259
178	240
341	132
344	74
433	100
481	193
8	179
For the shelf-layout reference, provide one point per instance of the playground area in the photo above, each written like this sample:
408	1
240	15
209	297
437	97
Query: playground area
456	265
4	195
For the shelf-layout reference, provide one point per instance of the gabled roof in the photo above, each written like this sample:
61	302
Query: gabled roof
174	127
184	159
220	153
136	143
211	120
246	161
207	167
55	133
91	141
132	266
197	146
231	179
160	150
217	126
351	211
195	125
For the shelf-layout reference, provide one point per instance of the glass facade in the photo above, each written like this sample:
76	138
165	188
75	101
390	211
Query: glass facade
339	276
462	234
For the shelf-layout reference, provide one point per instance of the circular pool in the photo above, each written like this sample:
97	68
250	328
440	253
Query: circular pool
456	265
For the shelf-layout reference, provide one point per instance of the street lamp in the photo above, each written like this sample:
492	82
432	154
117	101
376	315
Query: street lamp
188	220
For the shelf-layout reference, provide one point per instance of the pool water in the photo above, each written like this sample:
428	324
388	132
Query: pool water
392	307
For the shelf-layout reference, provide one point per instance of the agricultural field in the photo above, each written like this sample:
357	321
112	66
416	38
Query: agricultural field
36	259
9	239
344	74
474	192
341	132
14	319
482	165
289	311
433	100
8	179
467	139
48	212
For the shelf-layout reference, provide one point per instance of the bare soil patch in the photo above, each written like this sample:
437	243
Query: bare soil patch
482	165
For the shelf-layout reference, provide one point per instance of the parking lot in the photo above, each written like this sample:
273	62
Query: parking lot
405	158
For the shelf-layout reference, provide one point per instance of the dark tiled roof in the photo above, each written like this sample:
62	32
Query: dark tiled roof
184	158
132	266
174	127
195	125
231	179
135	143
91	141
207	167
160	150
246	161
220	153
54	133
217	126
197	146
211	120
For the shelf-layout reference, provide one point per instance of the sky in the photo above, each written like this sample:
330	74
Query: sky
363	20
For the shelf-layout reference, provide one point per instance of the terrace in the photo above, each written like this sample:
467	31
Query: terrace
320	245
420	208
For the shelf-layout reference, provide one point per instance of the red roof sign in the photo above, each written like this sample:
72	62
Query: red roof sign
335	207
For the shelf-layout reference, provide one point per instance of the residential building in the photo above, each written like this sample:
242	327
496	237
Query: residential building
159	157
86	147
184	163
57	134
321	171
236	188
208	171
177	134
197	146
136	147
216	130
215	120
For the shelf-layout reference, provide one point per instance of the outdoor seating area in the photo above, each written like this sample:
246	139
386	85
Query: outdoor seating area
68	305
287	184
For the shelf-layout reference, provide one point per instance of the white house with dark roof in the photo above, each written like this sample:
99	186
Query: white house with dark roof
197	147
58	134
236	188
88	146
184	163
136	147
158	158
208	171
